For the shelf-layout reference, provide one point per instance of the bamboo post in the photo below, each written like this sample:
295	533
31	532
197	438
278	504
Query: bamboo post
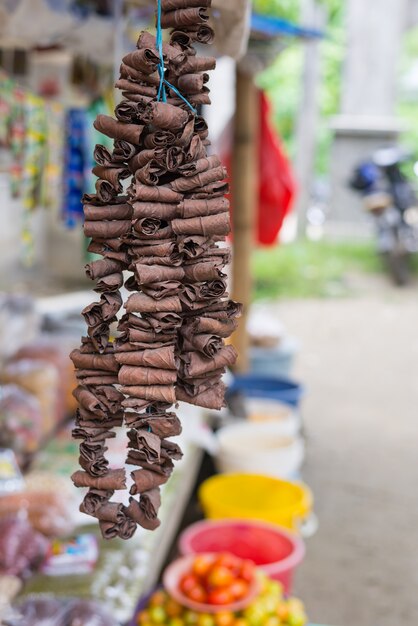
245	200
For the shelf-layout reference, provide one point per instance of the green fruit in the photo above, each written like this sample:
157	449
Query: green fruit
176	621
190	618
158	615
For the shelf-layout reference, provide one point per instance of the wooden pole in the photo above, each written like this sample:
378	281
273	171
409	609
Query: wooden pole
245	201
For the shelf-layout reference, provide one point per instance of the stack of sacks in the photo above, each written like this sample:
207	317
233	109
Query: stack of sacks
165	232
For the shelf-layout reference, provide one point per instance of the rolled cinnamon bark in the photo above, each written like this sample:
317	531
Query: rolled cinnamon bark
167	249
145	60
222	328
99	336
148	226
214	190
104	229
152	229
144	480
213	398
171	53
187	184
195	386
109	530
89	401
157	273
155	194
172	5
98	379
127	111
143	157
162	358
105	191
113	282
146	442
194	246
151	337
202	33
103	311
207	226
201	165
164	116
136	76
134	375
112	175
114	480
167	425
139	303
99	247
225	309
184	17
161	291
157	393
94	499
117	130
135	512
136	404
171	450
103	267
91	434
109	212
103	156
150	503
109	397
123	150
158	139
183	41
205	270
94	361
130	88
194	64
92	458
164	321
196	150
149	174
208	345
192	84
195	364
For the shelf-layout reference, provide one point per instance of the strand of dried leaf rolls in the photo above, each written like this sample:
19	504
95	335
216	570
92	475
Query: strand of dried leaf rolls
165	232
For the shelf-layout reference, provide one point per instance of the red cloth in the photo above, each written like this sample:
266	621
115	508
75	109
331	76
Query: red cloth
277	184
277	187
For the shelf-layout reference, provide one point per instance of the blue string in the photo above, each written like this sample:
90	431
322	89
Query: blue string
163	82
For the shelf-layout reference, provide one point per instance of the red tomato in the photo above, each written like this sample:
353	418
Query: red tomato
239	589
220	597
219	576
228	560
188	582
197	594
202	565
247	571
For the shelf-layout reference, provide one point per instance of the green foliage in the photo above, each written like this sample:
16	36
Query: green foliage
286	9
283	80
407	105
307	269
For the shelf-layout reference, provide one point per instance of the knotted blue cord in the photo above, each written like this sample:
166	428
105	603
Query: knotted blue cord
161	69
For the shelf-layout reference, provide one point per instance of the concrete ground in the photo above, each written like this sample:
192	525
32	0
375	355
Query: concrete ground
359	361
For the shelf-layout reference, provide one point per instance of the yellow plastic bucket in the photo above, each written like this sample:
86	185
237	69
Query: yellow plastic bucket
251	496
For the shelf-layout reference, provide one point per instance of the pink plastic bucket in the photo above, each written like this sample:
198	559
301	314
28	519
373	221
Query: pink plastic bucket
273	549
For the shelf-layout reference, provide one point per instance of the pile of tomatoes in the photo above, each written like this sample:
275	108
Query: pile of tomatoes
218	579
270	608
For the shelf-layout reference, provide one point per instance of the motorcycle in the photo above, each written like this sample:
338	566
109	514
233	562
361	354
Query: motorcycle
390	197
